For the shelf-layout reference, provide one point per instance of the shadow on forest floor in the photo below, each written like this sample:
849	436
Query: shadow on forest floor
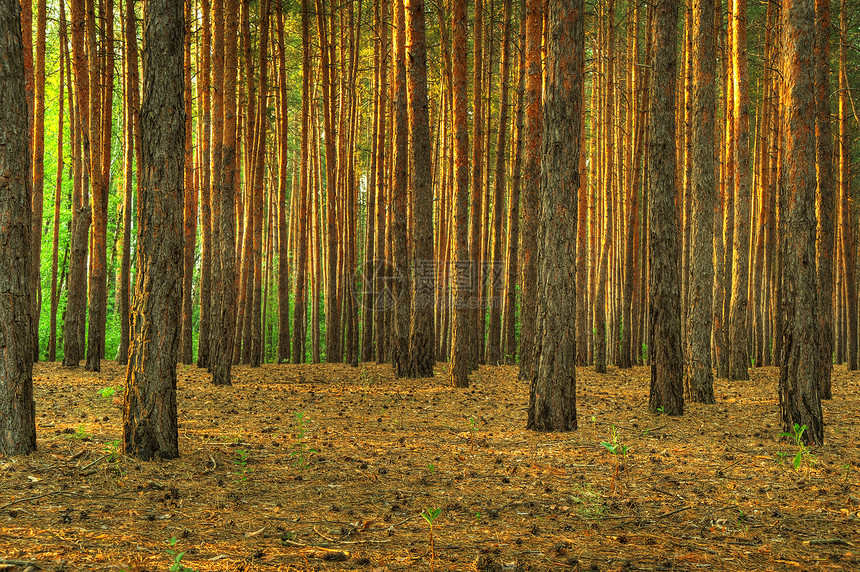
330	467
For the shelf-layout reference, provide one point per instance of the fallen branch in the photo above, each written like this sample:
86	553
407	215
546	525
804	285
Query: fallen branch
839	541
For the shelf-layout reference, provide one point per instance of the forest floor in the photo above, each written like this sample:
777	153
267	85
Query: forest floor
319	467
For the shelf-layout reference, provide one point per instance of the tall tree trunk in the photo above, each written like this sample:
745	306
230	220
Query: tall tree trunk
422	327
531	185
302	224
17	407
825	195
38	164
476	197
699	381
129	138
552	396
798	376
261	131
667	360
509	341
381	269
150	426
186	346
229	185
55	245
205	189
99	192
283	201
848	244
496	283
402	292
738	350
332	314
460	335
75	321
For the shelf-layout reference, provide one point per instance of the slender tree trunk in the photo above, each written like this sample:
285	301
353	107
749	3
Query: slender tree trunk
38	166
847	228
738	345
124	286
531	184
402	291
460	336
73	327
494	348
99	191
150	426
186	346
825	195
667	359
699	381
283	201
229	184
205	190
422	338
381	271
798	376
55	245
509	342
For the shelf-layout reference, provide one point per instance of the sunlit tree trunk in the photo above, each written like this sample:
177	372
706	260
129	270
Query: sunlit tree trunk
494	348
847	229
531	185
55	244
205	188
509	341
284	197
186	345
738	338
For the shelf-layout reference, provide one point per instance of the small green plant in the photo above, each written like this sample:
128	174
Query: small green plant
431	467
301	450
81	433
430	515
619	452
241	462
110	391
177	565
113	449
472	429
645	353
803	450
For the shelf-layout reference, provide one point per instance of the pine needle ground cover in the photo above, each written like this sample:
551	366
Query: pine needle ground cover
327	467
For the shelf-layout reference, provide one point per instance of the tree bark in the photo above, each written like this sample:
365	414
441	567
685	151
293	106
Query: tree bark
186	347
738	339
422	328
150	427
17	407
699	381
552	396
798	376
496	282
667	361
531	185
460	338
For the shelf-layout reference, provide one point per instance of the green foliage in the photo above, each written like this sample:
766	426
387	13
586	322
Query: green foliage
177	565
619	453
430	515
81	433
110	391
301	450
241	462
803	450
